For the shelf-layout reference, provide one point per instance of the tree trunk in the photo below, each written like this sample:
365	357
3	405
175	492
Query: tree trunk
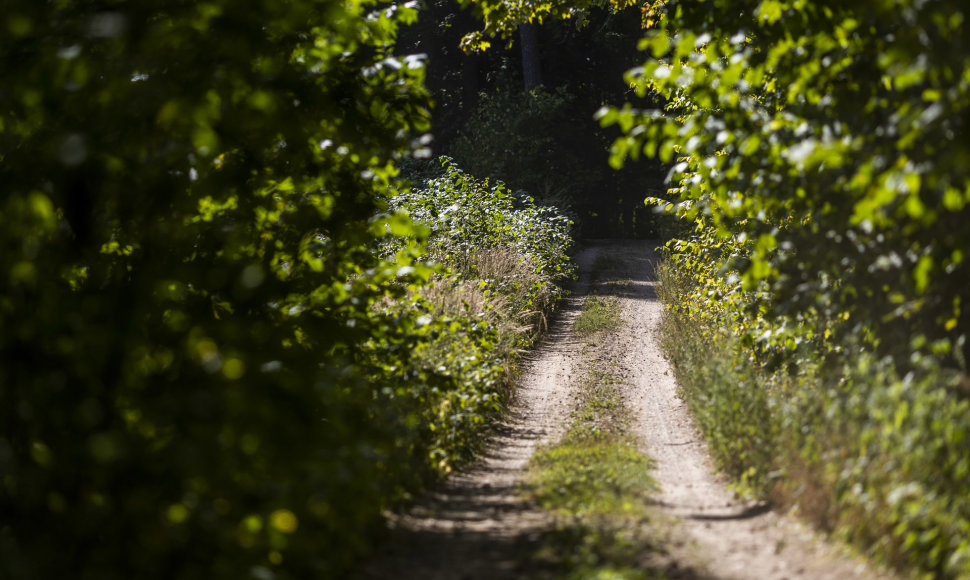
531	71
469	81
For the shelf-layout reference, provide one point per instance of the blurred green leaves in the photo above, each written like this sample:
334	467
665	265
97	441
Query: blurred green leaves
186	200
466	215
222	356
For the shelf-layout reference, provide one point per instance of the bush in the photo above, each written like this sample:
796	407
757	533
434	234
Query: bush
890	459
500	258
847	216
482	230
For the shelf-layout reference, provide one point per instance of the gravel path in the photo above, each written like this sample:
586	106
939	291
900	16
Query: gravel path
477	525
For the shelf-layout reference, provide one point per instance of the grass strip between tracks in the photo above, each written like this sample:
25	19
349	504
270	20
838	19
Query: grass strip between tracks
595	480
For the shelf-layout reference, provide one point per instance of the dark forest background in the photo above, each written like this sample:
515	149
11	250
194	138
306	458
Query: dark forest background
523	112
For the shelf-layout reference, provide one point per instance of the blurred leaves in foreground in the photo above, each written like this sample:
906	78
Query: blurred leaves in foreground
201	347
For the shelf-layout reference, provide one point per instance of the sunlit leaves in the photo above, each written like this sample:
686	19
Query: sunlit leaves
831	130
467	215
820	153
501	18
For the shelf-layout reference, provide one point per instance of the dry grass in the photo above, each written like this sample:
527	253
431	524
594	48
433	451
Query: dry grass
510	286
500	287
449	297
514	276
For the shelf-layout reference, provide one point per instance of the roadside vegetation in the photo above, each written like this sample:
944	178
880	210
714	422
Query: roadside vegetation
499	261
878	457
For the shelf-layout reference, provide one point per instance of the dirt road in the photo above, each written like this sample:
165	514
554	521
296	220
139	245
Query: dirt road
477	525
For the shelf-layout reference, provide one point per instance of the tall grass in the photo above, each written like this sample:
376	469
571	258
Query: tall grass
498	289
881	460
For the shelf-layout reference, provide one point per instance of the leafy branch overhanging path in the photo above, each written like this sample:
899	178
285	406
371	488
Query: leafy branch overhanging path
478	524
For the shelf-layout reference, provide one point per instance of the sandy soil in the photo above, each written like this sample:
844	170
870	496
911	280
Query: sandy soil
477	525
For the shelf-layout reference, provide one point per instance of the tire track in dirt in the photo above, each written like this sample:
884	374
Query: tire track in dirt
477	525
718	534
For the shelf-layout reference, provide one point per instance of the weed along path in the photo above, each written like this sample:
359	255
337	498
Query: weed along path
598	471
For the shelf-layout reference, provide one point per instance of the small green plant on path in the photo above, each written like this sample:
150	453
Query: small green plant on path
596	469
599	313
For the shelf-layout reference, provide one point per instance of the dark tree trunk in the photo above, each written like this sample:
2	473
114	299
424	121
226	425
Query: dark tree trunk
531	71
469	80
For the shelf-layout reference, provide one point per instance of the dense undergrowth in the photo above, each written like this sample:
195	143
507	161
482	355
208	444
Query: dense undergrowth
500	260
879	457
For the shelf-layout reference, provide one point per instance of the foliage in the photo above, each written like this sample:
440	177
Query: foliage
544	141
500	258
891	453
467	217
441	387
828	140
209	371
190	304
819	159
876	455
500	18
